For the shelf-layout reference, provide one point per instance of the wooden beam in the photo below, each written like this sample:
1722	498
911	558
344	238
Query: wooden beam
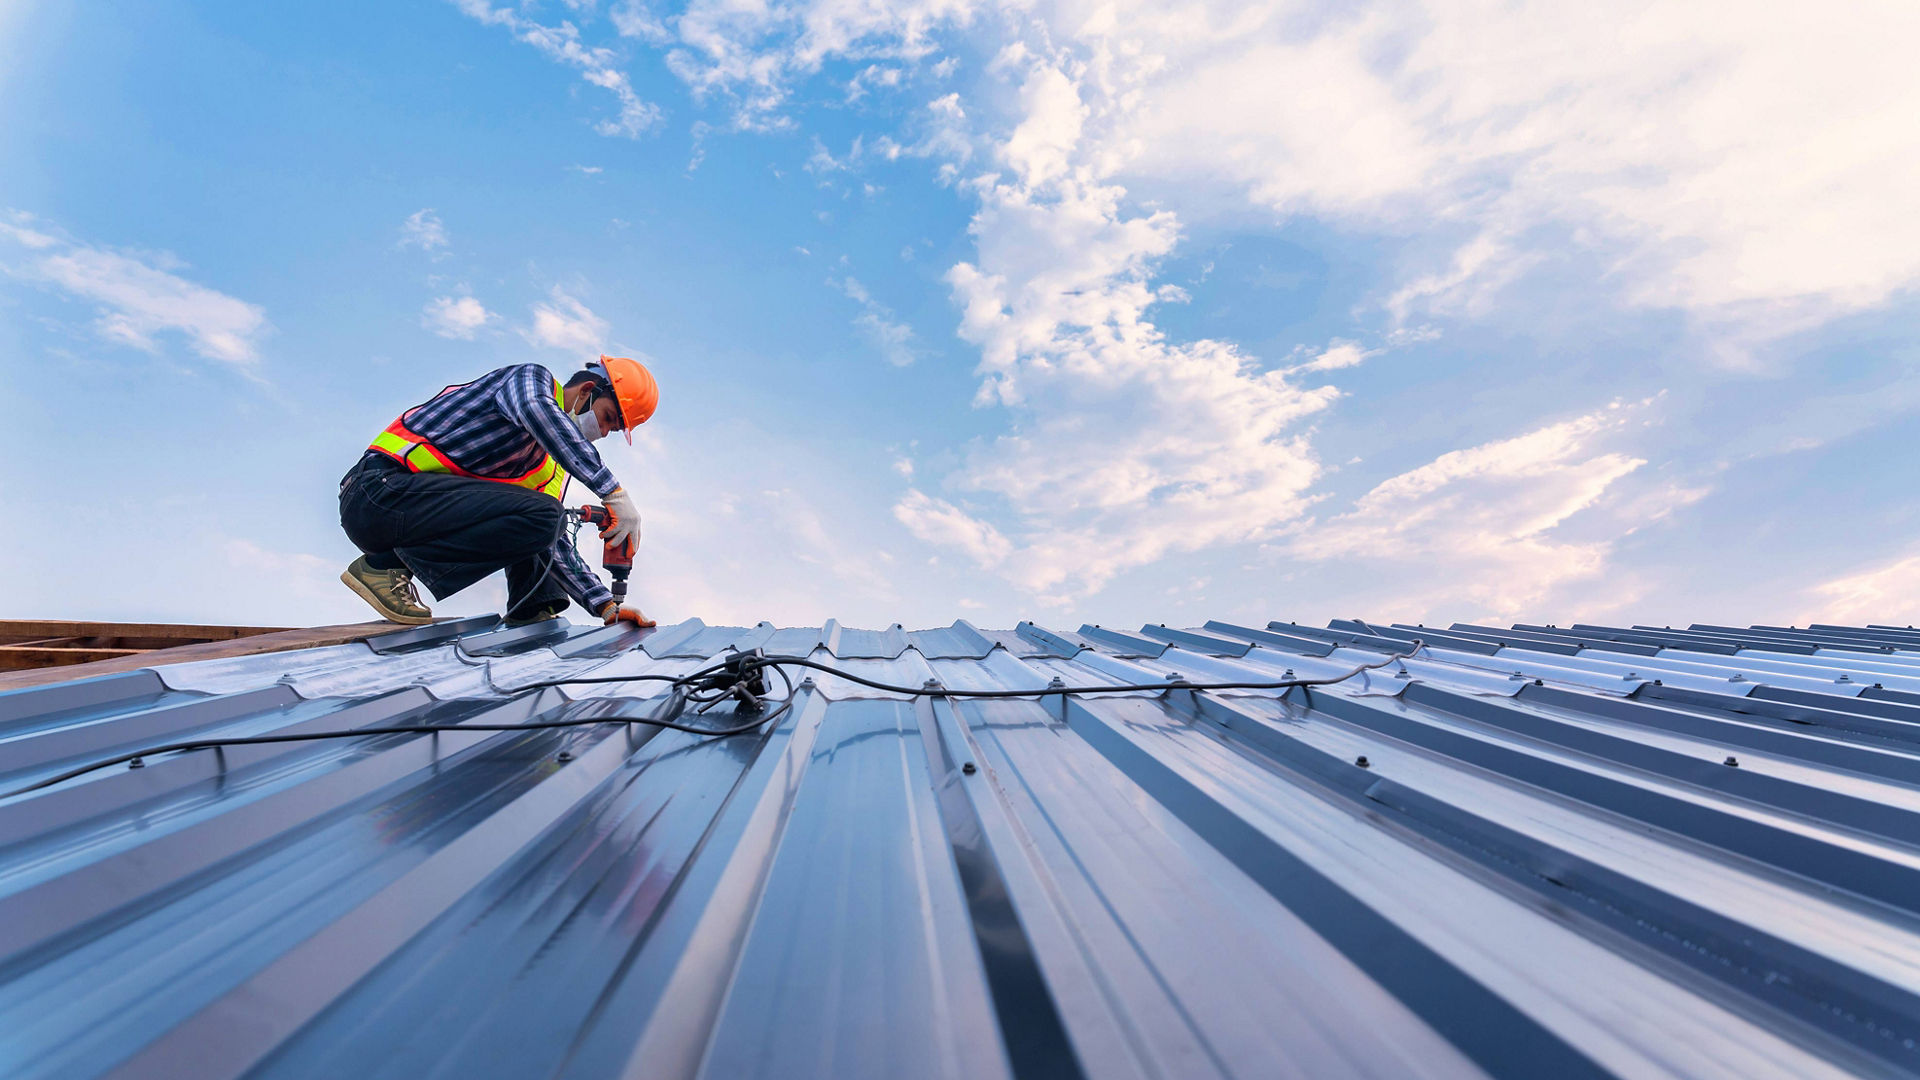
13	657
28	629
264	641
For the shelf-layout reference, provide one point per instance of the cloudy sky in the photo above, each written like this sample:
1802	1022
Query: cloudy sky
1109	312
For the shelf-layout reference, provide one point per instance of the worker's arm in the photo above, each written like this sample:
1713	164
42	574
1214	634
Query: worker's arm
527	396
582	584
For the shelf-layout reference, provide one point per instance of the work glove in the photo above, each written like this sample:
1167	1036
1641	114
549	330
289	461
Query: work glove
614	613
626	518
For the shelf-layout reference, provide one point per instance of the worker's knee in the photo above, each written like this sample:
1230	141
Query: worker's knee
547	512
537	522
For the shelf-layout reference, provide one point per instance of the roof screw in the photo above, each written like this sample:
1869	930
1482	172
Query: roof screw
806	683
1630	676
565	756
1844	678
1362	761
1287	674
1056	683
1877	686
1516	676
1736	677
137	763
1539	682
1731	762
930	684
969	768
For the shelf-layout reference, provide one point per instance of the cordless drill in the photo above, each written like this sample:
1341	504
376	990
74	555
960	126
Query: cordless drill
617	558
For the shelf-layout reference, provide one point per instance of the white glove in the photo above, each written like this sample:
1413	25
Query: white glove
626	518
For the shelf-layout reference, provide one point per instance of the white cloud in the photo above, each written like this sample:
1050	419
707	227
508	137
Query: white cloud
587	170
943	524
758	535
873	75
1889	593
822	160
423	230
1747	165
563	322
635	19
1337	355
754	52
1124	446
893	338
1484	527
597	65
138	295
455	317
1742	162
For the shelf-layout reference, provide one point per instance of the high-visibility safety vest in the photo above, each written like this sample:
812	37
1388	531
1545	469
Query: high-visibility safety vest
416	453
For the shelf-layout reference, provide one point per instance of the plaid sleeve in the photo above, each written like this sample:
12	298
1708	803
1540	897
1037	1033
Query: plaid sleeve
580	582
527	397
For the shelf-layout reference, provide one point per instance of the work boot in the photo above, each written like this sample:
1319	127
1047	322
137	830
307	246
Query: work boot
389	591
539	614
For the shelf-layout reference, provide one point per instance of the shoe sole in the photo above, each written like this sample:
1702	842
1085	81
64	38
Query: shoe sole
374	600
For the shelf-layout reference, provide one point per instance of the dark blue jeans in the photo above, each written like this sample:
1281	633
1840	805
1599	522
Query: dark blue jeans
451	531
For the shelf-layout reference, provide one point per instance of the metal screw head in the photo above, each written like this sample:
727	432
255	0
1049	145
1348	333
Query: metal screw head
1362	761
137	763
565	755
969	768
1731	762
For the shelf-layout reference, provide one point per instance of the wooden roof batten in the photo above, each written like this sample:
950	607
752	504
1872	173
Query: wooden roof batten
38	651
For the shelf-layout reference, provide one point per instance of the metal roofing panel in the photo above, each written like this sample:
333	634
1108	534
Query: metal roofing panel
1120	643
1197	640
961	641
1271	638
871	644
1054	642
1567	861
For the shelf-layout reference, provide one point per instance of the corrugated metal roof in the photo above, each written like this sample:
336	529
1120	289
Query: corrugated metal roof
1537	851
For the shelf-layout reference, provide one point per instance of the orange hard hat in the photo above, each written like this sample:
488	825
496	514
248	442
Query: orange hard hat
633	388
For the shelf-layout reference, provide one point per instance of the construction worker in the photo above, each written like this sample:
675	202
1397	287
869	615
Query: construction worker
470	482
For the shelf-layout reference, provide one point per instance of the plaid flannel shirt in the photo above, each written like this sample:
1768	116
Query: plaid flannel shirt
503	424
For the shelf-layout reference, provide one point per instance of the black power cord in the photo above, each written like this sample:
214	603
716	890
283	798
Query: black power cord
740	677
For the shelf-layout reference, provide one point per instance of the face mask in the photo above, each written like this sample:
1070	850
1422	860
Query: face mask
589	424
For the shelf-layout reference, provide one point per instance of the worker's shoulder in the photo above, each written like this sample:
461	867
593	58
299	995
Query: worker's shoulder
521	371
522	378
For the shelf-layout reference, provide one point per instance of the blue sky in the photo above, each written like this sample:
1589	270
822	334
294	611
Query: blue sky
1071	312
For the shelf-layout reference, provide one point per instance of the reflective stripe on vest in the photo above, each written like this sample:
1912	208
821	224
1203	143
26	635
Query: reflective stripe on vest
416	453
